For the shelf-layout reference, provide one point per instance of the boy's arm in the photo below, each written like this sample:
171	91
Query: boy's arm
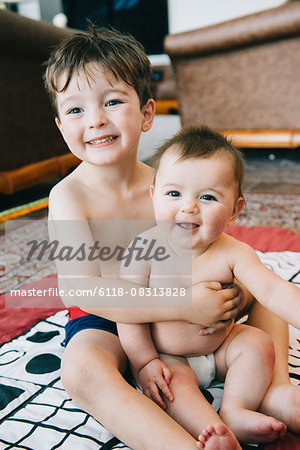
276	294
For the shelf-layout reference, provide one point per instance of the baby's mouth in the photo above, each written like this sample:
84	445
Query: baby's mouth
189	226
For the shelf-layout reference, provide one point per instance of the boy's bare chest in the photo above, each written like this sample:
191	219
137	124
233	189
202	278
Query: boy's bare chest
114	207
115	224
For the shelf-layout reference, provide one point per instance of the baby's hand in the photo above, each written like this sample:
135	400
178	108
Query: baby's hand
155	377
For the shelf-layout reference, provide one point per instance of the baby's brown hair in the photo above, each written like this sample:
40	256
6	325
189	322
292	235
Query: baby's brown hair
202	142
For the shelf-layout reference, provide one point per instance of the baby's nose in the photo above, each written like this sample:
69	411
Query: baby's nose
190	207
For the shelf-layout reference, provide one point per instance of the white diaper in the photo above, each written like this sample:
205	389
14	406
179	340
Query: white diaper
204	367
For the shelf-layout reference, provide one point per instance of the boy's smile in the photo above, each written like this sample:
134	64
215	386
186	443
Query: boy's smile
99	141
195	199
100	117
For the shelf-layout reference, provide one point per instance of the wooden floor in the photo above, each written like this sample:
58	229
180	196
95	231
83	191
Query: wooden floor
275	172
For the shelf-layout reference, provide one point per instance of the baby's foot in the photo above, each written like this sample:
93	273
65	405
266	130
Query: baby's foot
217	437
253	427
283	402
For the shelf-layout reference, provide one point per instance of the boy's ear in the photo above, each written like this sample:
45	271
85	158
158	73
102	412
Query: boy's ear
58	124
239	205
148	112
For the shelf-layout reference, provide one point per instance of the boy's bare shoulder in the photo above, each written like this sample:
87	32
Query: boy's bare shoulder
66	199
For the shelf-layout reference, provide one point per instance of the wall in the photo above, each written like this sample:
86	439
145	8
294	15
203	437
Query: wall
49	8
190	14
39	9
30	9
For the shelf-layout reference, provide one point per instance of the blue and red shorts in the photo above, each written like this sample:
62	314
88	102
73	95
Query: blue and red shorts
79	320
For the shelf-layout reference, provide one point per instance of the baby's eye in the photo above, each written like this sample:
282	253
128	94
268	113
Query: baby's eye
208	197
173	194
75	111
113	102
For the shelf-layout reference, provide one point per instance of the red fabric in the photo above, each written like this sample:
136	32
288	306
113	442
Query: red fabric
15	321
76	312
18	314
266	239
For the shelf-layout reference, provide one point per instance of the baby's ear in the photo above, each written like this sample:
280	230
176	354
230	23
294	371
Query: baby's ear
239	205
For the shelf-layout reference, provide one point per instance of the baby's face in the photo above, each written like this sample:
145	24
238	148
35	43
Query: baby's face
195	199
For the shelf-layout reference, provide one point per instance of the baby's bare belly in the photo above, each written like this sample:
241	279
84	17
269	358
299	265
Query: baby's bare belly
182	338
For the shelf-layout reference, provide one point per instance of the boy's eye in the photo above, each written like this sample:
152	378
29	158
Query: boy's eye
173	194
75	111
113	102
208	197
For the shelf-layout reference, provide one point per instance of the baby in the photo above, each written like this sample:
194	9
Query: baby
196	194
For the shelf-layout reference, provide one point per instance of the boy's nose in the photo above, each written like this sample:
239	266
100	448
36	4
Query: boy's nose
98	119
190	207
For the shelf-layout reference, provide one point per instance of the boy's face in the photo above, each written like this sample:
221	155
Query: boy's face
100	117
195	199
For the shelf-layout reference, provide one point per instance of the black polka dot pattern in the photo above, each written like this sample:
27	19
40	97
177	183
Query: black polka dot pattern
8	394
40	336
44	363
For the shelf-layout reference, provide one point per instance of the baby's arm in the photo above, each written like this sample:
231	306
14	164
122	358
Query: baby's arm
276	294
136	338
152	373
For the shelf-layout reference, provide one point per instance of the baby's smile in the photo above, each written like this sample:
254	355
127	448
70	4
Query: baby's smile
188	226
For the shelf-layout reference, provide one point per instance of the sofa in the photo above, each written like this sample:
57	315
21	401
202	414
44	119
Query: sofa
242	77
32	149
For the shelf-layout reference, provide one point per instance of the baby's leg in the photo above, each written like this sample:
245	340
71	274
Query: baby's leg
247	355
91	375
191	410
282	399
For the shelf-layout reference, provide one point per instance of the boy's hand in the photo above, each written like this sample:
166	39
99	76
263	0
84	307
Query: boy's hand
155	377
205	331
213	306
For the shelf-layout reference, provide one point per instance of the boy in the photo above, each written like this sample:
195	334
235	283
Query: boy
91	78
196	194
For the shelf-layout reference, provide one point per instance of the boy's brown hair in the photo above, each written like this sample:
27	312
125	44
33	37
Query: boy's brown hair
115	52
202	142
